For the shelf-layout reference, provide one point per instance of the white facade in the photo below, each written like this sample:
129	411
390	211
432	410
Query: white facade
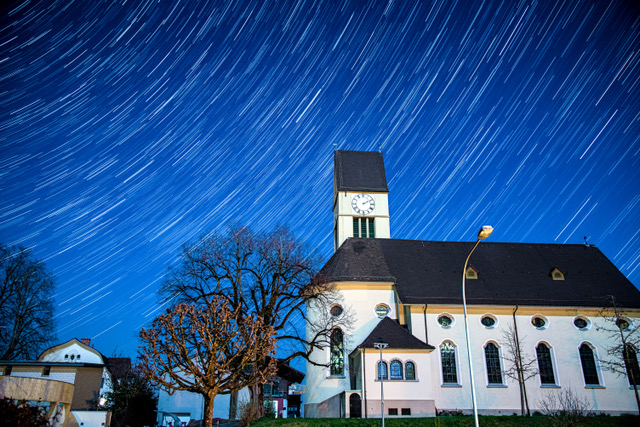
612	395
441	381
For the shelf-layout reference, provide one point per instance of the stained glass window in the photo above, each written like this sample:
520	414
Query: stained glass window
492	357
337	353
396	370
448	358
445	321
410	371
588	365
382	370
545	366
631	364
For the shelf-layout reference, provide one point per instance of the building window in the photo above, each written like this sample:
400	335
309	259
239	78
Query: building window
448	360
445	321
539	322
624	324
382	371
393	411
267	389
46	371
364	227
631	364
406	411
337	353
336	310
588	365
581	323
396	370
488	321
557	274
410	371
492	358
382	310
545	366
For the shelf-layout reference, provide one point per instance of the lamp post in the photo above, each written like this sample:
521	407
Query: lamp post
381	345
483	234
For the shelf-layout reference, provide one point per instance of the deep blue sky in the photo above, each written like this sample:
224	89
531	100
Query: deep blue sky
130	128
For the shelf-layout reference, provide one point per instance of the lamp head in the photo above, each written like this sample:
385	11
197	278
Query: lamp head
485	232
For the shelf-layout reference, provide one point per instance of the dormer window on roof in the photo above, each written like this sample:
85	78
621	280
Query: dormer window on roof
471	273
557	274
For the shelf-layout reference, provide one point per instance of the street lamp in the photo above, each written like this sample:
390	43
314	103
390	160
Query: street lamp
381	345
483	234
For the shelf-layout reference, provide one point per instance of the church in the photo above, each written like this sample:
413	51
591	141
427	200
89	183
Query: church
406	337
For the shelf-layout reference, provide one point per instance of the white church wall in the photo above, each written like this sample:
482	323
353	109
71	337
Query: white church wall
419	389
360	300
613	394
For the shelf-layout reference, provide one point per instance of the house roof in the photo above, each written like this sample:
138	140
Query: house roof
359	171
427	272
289	373
396	336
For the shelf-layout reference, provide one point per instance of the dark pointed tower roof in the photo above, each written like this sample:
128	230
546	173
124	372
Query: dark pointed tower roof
359	171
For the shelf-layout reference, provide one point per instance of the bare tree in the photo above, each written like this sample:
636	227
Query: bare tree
208	350
519	366
268	274
622	353
26	304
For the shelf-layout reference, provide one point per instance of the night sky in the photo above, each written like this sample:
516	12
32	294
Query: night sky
128	128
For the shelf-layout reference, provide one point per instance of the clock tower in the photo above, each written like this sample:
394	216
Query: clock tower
360	196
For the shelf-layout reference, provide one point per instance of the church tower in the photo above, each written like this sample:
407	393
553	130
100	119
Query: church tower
360	196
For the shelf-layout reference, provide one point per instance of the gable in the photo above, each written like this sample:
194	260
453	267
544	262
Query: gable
72	351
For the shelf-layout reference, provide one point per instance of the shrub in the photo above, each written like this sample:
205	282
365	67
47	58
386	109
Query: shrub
21	414
565	407
248	412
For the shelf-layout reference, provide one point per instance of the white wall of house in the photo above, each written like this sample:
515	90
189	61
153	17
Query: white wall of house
184	402
74	352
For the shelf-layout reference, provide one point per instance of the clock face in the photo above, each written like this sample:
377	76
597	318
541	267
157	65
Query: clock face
363	204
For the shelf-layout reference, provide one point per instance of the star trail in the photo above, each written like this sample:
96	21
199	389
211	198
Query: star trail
129	128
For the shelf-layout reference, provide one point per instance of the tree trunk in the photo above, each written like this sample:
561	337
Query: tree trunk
207	416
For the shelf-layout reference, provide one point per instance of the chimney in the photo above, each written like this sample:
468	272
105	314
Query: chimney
86	341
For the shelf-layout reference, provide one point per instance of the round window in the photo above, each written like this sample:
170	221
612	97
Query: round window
382	310
538	322
488	321
580	323
623	323
336	310
445	321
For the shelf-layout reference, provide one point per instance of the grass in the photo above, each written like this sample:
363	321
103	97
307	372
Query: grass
450	421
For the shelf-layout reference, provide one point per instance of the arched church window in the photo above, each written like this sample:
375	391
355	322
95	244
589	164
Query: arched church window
337	352
396	370
448	360
588	361
545	365
492	359
631	364
409	371
382	371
